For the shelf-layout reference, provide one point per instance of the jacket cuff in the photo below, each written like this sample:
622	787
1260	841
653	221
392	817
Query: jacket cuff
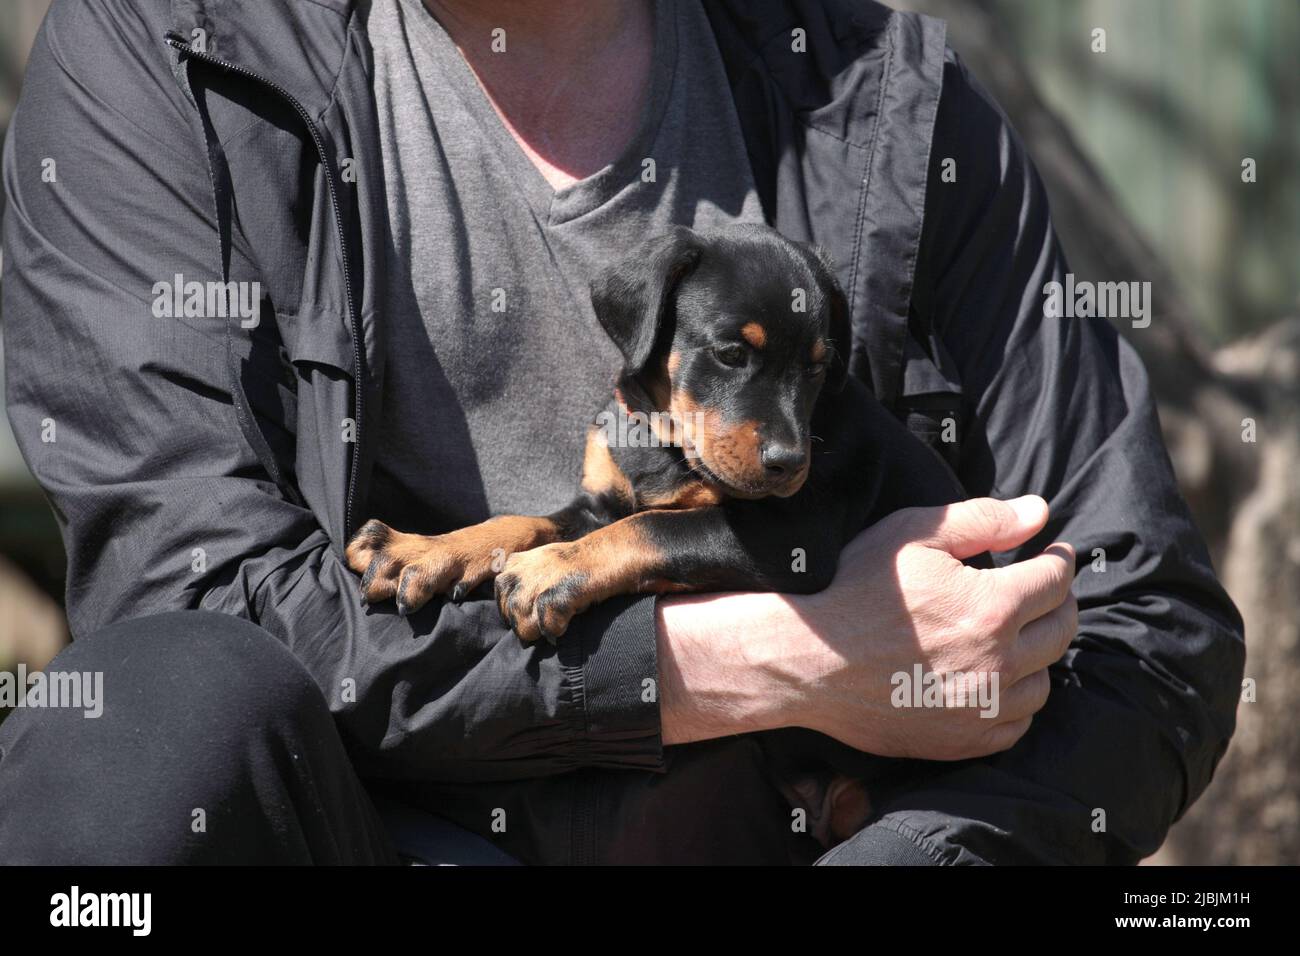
610	660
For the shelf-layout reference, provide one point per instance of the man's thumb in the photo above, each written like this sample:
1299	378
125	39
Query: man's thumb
968	528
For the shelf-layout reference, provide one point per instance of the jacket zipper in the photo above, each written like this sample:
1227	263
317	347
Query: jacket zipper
358	392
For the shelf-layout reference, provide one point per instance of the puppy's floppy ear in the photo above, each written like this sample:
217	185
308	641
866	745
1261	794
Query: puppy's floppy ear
841	336
840	331
633	297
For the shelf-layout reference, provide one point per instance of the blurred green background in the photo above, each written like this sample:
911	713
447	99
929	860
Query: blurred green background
1184	91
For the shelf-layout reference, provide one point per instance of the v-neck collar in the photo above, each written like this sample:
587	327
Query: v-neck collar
554	206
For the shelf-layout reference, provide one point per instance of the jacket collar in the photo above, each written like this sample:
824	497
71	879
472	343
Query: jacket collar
301	46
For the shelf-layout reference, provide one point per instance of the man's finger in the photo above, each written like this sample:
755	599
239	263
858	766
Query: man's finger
968	528
1042	642
1002	737
1022	698
1037	585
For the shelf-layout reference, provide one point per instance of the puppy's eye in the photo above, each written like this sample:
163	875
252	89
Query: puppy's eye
731	355
816	370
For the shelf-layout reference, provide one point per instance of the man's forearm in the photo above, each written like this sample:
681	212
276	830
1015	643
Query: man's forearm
727	665
738	663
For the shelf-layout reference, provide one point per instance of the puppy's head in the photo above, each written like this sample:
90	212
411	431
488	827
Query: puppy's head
735	333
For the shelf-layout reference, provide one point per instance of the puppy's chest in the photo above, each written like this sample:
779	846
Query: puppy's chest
661	480
686	494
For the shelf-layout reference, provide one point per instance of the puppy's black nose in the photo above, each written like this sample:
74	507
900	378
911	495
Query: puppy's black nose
781	461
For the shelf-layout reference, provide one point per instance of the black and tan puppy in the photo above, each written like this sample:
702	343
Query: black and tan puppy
736	453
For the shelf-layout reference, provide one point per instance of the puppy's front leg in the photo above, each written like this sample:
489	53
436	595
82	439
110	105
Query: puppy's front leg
693	549
539	591
412	568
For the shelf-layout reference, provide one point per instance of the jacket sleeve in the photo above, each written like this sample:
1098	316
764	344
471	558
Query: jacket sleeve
1144	702
126	420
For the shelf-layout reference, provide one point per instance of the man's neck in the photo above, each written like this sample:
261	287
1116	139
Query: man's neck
571	79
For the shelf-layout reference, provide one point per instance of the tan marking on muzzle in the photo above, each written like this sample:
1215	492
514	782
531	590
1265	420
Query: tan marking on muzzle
732	451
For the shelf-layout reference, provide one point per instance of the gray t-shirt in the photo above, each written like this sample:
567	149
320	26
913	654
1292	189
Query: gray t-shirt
495	361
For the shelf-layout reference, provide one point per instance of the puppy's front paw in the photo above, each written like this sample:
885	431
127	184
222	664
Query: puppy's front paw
539	591
412	568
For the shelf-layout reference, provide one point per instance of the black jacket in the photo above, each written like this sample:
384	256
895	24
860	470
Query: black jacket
201	464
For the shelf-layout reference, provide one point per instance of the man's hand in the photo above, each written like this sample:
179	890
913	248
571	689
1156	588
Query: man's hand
743	662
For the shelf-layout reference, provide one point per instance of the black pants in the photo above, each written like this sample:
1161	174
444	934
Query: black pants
215	746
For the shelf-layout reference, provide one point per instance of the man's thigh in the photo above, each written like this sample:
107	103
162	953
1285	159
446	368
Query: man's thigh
198	738
997	811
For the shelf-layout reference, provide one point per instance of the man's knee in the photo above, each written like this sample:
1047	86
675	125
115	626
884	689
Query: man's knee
168	670
176	713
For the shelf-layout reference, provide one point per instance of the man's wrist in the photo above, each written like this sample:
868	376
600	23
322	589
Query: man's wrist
730	664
